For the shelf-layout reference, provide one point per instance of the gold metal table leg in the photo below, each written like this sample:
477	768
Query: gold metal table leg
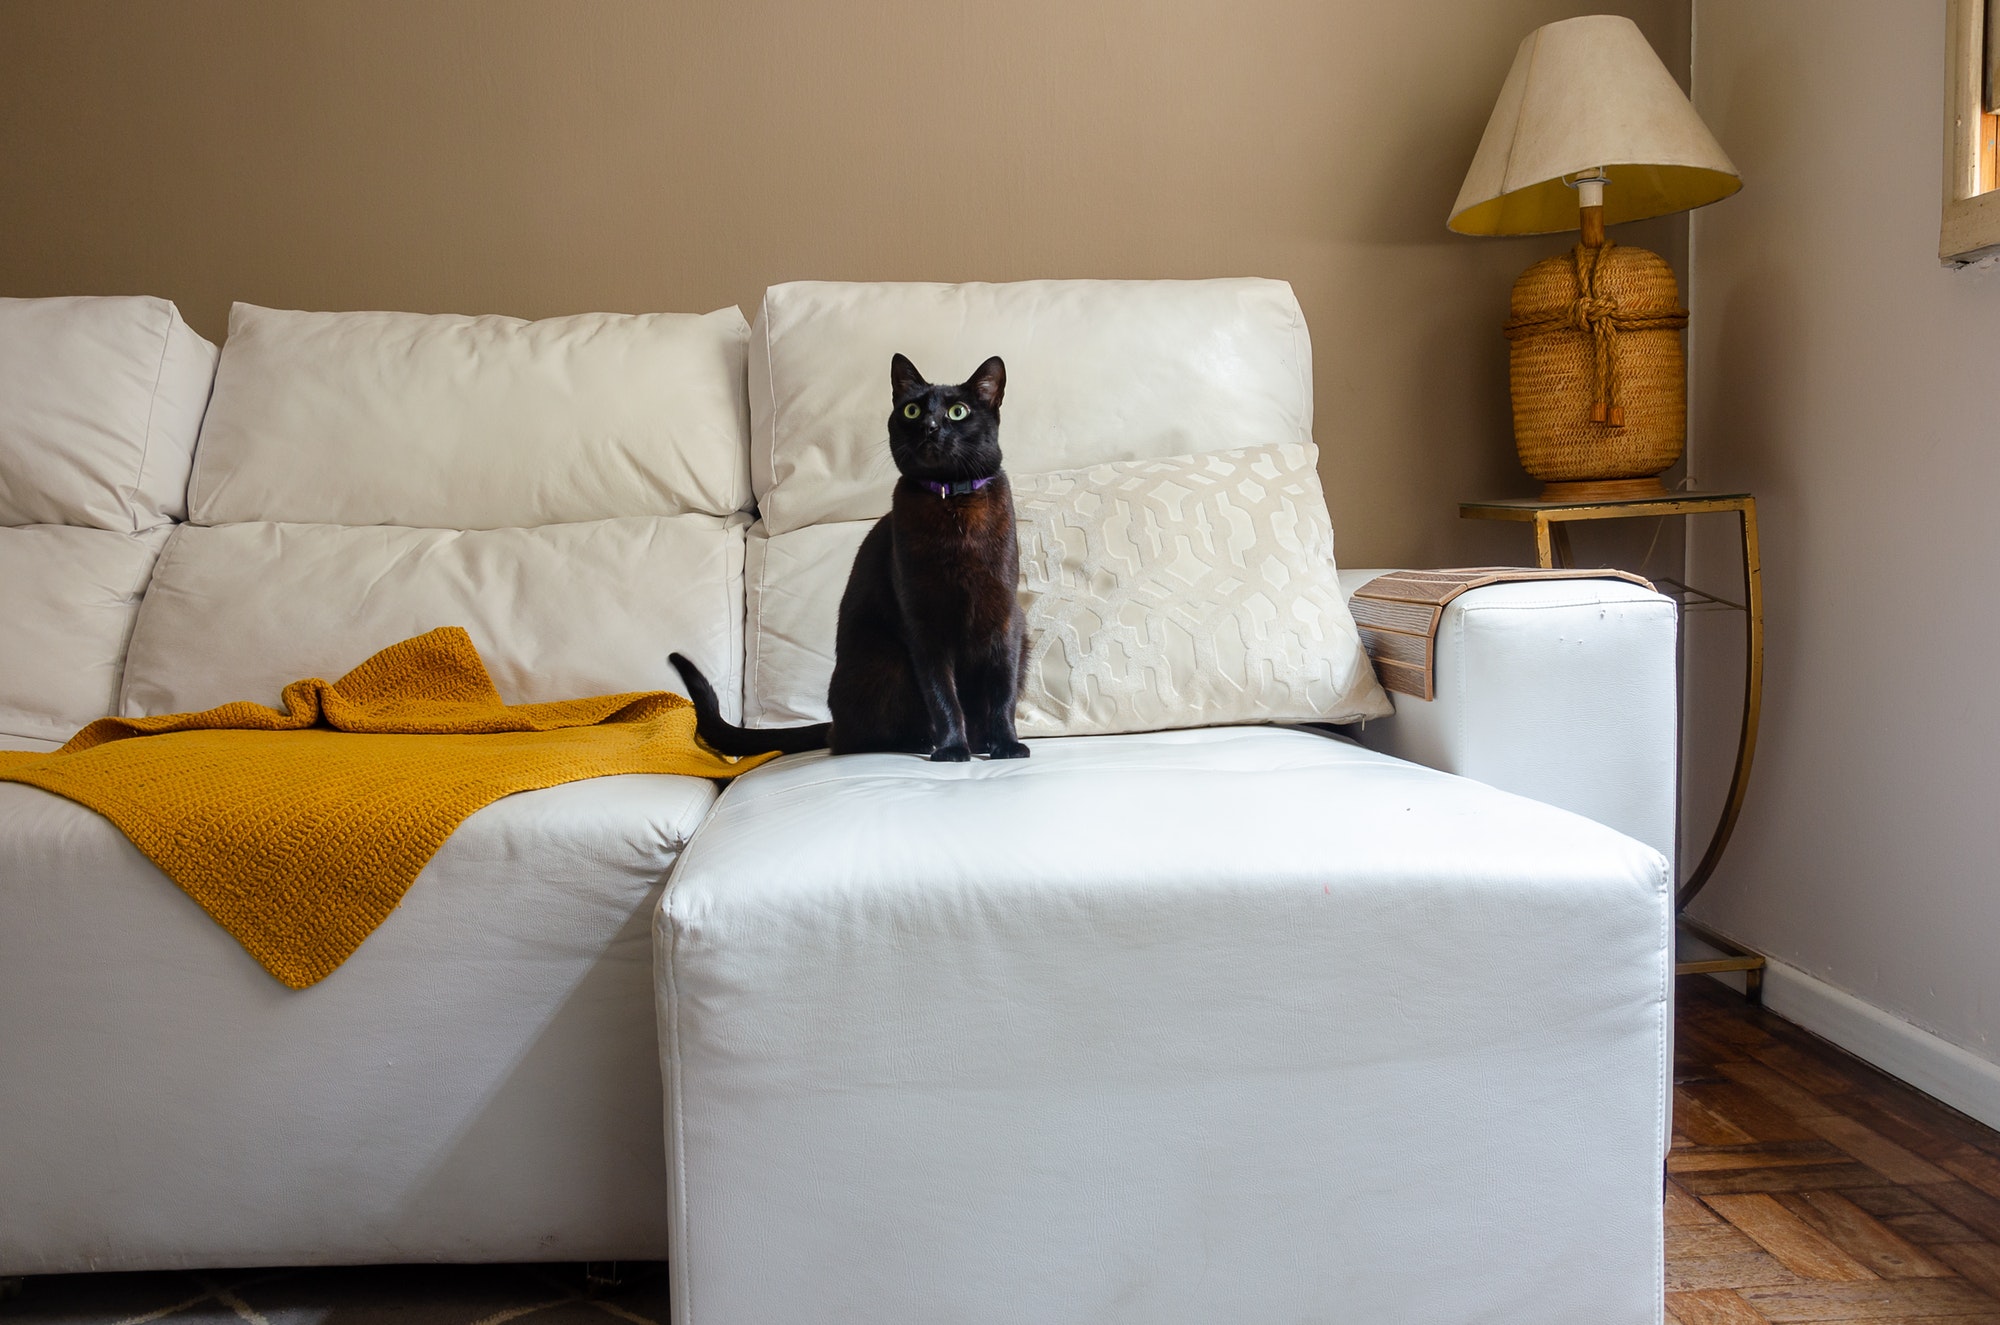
1559	544
1552	550
1750	963
1552	543
1737	958
1753	703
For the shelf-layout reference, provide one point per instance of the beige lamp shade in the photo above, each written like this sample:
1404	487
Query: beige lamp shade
1584	94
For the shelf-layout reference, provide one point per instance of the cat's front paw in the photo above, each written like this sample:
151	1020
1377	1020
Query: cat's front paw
1011	750
951	754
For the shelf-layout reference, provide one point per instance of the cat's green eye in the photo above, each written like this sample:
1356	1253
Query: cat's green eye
910	411
956	412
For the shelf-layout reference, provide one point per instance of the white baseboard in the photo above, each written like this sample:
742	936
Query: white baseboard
1910	1053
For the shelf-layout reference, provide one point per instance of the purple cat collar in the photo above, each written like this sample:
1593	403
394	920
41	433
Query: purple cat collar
958	489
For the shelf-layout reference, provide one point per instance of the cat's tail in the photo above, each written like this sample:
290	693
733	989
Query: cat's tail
726	738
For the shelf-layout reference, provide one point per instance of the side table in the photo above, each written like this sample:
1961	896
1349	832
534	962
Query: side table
1551	521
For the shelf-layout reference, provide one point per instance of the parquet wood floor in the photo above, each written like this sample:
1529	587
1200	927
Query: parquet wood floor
1805	1186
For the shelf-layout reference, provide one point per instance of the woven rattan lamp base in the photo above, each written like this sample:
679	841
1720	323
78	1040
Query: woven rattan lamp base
1596	370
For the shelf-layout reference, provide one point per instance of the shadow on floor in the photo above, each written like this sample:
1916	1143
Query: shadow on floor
353	1295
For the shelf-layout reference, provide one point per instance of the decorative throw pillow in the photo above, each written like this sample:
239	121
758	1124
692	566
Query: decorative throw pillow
1192	592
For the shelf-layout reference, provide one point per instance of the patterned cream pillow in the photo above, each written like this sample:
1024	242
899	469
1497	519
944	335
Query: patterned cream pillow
1191	592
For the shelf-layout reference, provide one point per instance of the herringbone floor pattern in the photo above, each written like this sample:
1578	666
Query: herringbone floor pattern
1805	1186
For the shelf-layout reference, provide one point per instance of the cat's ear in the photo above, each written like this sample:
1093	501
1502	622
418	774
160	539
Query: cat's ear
989	382
904	379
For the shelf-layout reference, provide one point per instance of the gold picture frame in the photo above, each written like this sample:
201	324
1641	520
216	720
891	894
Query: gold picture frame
1970	226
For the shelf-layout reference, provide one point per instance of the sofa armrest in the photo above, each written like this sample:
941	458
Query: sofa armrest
1562	690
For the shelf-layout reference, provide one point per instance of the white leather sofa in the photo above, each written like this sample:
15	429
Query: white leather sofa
1248	1024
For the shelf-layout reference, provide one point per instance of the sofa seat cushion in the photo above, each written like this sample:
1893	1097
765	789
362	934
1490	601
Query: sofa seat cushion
478	1082
1231	1024
68	597
557	612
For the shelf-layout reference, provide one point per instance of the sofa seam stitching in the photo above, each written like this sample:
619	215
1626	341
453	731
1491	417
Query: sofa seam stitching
139	597
1303	355
1565	603
672	1092
753	633
739	644
170	548
1464	670
678	1176
771	394
152	408
679	1114
682	833
1662	1086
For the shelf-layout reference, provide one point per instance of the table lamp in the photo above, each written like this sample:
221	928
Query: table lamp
1590	128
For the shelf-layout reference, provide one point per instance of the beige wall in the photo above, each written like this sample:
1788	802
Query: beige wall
541	158
1850	382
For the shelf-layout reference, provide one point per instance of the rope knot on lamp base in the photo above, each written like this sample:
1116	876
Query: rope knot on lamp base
1597	370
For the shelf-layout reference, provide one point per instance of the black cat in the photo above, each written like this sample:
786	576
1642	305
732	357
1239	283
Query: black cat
927	658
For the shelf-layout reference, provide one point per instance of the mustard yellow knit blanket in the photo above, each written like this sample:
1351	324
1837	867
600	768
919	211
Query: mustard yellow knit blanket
300	831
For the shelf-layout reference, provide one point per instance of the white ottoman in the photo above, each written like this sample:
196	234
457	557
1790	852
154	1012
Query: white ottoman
1244	1025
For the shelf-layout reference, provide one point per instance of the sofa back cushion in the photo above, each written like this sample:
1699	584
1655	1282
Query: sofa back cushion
793	583
1096	371
590	608
448	422
568	491
101	399
68	597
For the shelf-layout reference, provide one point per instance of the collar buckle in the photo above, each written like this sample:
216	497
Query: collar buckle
962	487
